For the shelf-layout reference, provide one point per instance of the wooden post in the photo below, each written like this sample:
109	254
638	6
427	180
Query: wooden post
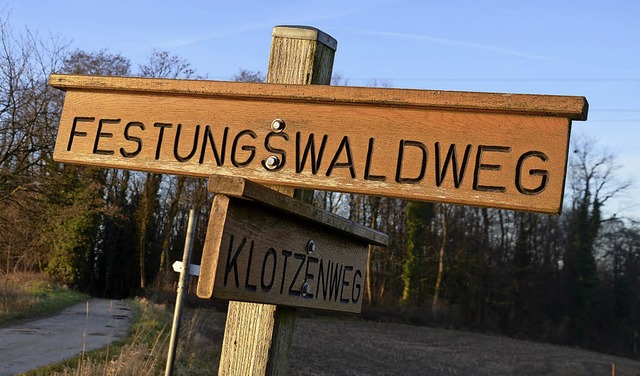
258	337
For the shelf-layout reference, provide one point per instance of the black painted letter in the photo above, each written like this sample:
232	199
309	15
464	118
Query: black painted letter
267	286
488	167
208	138
423	165
367	166
249	148
128	137
356	286
247	285
286	255
535	172
162	126
301	257
232	262
441	171
344	144
100	133
77	133
345	283
309	150
271	149
176	143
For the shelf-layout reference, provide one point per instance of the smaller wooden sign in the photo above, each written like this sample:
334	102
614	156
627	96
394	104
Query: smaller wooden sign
265	247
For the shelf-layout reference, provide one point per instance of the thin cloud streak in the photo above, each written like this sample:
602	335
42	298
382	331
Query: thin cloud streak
452	42
182	42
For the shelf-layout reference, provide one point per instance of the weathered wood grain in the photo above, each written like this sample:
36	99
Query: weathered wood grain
265	257
211	247
286	205
571	107
494	159
258	336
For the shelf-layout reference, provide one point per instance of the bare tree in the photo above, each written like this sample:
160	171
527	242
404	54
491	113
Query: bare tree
162	64
249	76
594	173
29	111
594	181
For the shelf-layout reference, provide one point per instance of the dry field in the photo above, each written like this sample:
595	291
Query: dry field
342	346
353	347
333	346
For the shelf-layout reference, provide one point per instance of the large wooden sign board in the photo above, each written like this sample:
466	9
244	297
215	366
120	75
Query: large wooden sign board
266	247
496	150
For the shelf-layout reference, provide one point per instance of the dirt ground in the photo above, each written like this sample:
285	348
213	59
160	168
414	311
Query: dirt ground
332	346
336	347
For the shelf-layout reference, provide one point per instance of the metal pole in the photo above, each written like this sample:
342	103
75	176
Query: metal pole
183	283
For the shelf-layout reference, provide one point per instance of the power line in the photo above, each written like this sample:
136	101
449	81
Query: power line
614	120
498	79
616	109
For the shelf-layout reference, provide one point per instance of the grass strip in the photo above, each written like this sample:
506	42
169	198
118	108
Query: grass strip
38	300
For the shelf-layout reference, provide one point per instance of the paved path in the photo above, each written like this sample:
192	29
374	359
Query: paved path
90	325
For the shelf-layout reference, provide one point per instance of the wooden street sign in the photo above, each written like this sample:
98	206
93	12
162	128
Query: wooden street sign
265	247
495	150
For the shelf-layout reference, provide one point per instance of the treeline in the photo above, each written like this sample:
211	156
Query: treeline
108	232
571	279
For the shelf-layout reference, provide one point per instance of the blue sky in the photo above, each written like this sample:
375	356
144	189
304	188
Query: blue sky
588	48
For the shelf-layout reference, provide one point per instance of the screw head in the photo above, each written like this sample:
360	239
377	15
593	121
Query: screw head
272	162
311	247
278	125
305	290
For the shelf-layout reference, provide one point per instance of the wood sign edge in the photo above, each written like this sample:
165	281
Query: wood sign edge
571	107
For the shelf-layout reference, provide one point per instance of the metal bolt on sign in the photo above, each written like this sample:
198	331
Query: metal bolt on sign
278	125
311	247
272	162
305	290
